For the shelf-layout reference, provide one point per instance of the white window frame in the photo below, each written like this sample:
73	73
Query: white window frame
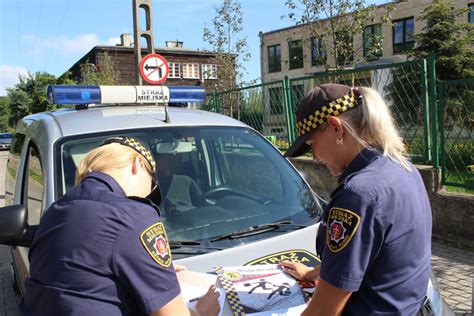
190	71
209	71
175	70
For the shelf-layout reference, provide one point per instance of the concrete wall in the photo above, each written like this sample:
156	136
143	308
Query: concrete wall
453	213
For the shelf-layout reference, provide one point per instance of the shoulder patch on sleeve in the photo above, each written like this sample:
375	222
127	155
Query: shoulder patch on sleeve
341	227
155	241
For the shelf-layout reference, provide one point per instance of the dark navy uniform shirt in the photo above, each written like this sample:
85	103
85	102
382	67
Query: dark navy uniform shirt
375	237
87	257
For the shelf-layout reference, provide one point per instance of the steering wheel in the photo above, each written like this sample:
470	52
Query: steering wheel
217	192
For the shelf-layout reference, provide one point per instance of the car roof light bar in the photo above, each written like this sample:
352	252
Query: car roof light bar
86	94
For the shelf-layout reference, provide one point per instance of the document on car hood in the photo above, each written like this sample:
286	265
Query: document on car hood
261	290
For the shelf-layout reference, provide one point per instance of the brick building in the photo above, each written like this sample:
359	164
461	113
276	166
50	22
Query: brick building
187	67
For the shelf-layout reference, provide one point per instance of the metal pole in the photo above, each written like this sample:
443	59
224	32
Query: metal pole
426	113
288	111
434	112
146	5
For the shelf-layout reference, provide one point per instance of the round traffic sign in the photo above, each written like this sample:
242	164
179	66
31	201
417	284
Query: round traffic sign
154	68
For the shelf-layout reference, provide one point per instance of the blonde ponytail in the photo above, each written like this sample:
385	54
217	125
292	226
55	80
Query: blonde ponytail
371	124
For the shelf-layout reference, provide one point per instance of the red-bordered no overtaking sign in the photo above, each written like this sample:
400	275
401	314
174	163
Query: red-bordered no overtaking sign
154	69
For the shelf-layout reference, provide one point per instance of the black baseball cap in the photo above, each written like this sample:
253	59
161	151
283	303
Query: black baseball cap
323	101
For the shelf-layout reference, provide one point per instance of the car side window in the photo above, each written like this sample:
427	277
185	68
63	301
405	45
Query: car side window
13	164
34	191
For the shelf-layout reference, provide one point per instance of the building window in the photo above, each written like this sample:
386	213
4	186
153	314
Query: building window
175	71
209	71
318	51
191	71
276	100
403	35
296	54
470	16
274	58
345	48
372	39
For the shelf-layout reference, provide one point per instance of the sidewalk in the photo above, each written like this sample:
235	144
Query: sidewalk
453	267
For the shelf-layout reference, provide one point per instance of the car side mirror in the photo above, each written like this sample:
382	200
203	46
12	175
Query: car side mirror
14	229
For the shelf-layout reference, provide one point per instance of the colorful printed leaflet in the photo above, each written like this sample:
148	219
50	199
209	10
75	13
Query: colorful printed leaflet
260	288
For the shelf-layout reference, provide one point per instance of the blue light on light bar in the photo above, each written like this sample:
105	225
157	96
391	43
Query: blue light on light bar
66	94
77	94
182	94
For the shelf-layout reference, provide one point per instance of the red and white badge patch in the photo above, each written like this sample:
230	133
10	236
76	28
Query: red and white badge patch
156	244
342	225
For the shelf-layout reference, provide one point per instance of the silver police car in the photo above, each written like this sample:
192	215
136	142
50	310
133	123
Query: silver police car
228	195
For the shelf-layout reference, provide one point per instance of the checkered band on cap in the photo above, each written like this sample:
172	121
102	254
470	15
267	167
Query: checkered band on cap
230	293
319	117
135	144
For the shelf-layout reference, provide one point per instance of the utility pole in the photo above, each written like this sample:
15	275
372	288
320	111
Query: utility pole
145	5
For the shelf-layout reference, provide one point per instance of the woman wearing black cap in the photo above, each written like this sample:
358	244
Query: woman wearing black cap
101	249
375	237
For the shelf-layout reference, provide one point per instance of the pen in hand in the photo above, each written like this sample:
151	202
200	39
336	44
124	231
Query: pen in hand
194	299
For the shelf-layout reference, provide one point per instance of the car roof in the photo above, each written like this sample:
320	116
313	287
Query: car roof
107	118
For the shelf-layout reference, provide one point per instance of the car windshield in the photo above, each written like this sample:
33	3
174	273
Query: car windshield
214	180
6	136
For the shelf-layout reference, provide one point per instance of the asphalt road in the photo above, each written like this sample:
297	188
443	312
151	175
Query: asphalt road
453	267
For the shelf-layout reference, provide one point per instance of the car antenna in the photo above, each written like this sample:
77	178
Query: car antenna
167	116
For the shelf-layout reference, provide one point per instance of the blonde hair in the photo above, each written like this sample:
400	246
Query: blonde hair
371	124
108	157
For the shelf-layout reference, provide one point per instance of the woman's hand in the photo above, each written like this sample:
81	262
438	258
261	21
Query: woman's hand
179	268
208	304
299	271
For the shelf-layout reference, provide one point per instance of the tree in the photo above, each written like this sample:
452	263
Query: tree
4	113
20	104
29	95
102	73
449	37
336	22
225	41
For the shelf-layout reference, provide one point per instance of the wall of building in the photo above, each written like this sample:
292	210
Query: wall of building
453	213
403	9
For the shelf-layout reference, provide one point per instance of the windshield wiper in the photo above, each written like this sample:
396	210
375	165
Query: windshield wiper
258	229
175	244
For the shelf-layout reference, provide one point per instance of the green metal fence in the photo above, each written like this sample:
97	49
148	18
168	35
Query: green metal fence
455	122
270	107
403	85
436	130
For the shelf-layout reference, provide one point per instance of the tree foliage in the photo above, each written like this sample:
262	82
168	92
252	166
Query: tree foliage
4	113
224	39
102	73
337	22
449	37
28	96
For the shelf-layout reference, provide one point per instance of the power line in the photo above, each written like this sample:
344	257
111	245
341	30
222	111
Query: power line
59	27
37	28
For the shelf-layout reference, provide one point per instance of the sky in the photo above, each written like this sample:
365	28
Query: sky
51	35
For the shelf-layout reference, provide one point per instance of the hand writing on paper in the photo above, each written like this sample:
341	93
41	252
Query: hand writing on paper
208	304
300	271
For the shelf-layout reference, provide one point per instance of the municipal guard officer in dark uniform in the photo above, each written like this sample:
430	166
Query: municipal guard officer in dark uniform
375	237
101	248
